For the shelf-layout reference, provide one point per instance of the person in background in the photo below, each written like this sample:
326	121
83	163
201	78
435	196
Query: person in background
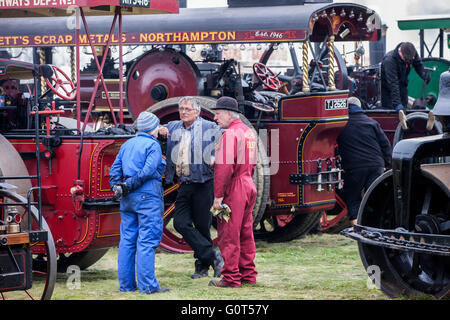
189	158
136	179
365	151
234	166
395	69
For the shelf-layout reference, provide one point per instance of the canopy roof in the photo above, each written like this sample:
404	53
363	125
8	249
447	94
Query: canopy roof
56	8
313	21
425	22
11	69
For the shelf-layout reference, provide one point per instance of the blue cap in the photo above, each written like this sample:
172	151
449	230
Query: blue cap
147	121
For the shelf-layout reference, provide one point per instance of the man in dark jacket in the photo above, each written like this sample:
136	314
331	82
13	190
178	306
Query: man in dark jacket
365	152
395	69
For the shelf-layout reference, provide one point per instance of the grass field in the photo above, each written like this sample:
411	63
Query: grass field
325	267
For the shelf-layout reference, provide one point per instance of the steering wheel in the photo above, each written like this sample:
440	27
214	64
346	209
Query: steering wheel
63	87
266	76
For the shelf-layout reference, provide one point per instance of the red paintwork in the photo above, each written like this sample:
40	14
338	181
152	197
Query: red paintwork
169	69
75	230
163	6
311	135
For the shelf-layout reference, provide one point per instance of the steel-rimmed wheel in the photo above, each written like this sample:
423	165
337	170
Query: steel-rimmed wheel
399	272
166	111
43	264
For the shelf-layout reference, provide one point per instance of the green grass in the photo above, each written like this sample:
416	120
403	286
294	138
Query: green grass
324	267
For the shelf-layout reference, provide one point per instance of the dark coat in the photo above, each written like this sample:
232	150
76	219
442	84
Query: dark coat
362	143
394	78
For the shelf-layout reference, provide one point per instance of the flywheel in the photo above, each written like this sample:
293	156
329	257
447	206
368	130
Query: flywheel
158	75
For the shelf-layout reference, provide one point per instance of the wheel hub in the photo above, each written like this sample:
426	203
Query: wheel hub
427	224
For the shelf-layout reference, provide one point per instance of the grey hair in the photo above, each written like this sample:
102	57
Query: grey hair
354	100
191	100
235	115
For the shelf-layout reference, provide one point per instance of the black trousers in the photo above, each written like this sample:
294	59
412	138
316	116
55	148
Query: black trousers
192	218
355	181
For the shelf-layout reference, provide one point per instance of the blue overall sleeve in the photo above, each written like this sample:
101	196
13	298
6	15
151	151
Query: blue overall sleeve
116	173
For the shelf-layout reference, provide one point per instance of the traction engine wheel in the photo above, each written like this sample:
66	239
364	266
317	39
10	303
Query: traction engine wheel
44	264
408	272
166	111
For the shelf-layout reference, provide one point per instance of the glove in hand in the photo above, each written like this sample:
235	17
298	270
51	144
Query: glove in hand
119	190
224	213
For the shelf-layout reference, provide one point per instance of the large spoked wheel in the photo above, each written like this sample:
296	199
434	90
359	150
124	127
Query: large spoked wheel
318	71
172	241
405	272
44	263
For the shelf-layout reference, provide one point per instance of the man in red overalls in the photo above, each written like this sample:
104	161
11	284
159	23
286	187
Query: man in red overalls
235	161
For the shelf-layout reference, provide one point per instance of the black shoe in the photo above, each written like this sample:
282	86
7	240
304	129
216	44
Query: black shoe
217	264
160	290
200	270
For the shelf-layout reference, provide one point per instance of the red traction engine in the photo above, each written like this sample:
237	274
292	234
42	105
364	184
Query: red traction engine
75	194
298	114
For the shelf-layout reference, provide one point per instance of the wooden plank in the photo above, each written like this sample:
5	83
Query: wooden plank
15	238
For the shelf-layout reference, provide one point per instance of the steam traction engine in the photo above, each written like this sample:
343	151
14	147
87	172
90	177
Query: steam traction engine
298	114
403	228
298	110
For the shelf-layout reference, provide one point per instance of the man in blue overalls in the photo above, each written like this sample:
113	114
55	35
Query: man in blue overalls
135	177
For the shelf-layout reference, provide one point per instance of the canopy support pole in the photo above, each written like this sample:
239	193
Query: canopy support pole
305	76
331	62
99	68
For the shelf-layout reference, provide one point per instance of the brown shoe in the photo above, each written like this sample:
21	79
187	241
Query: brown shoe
402	119
221	284
430	121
